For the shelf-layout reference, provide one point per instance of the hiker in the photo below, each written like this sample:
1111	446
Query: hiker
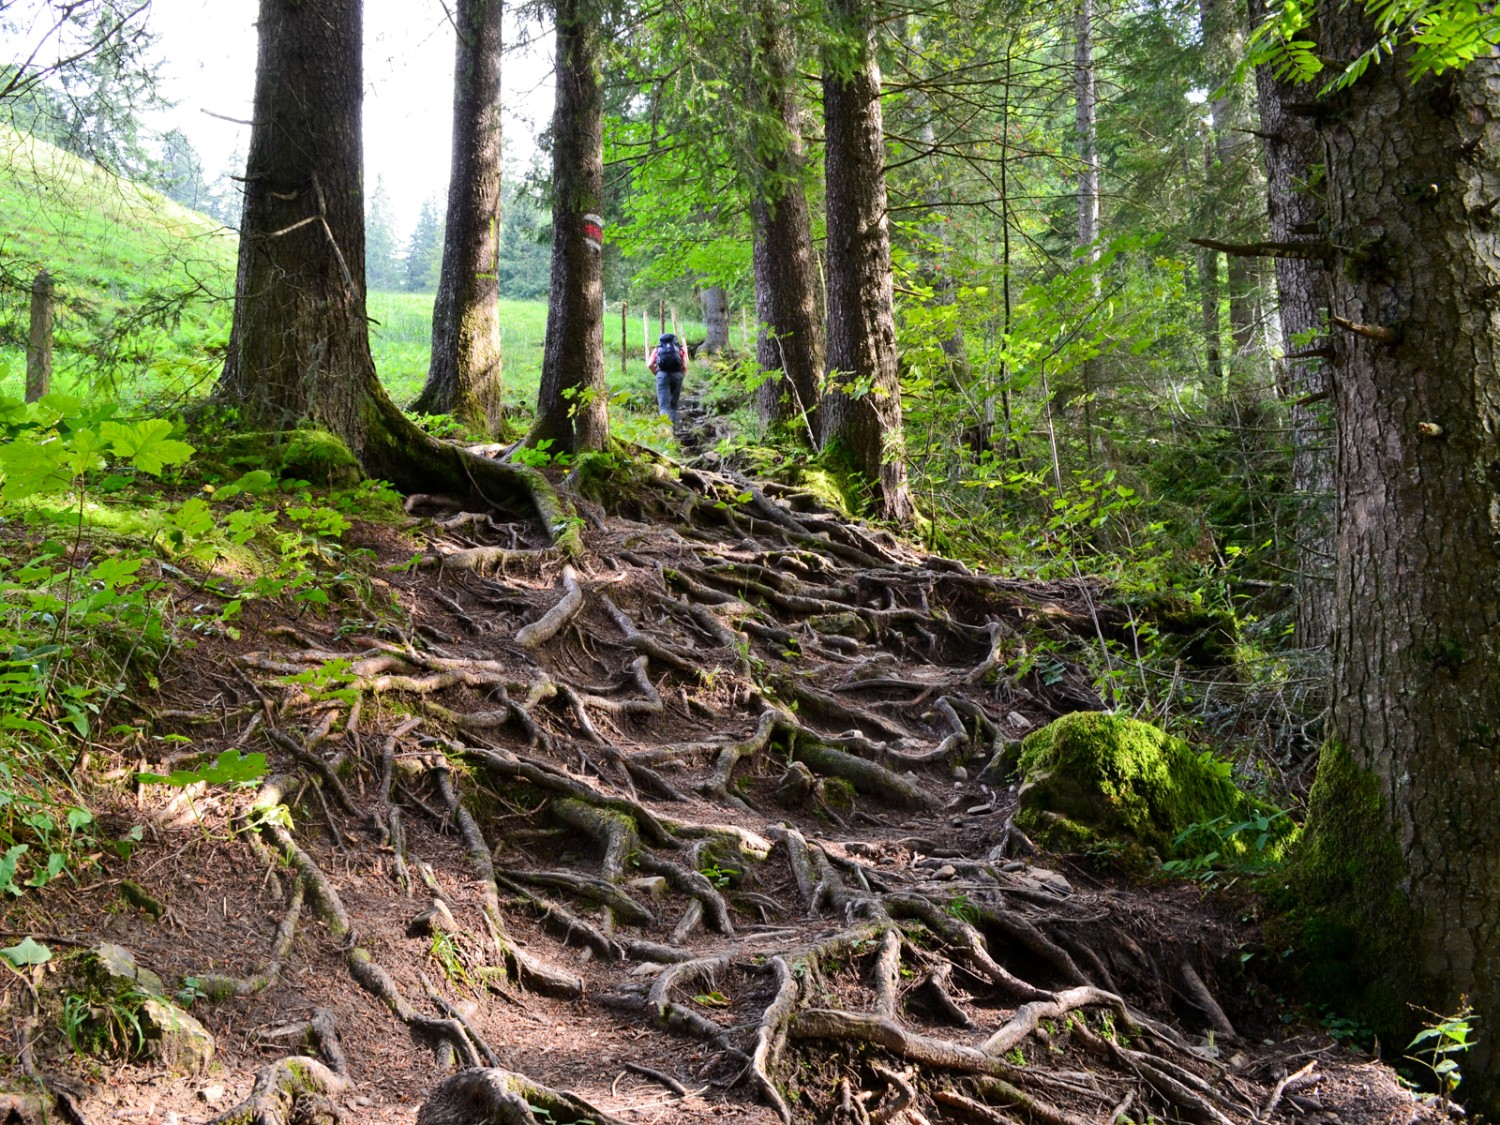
668	363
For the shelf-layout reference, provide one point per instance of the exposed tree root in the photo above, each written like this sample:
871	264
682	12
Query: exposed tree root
488	1096
755	663
295	1089
216	987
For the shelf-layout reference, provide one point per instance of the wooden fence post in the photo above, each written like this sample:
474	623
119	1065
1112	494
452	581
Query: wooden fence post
39	347
624	344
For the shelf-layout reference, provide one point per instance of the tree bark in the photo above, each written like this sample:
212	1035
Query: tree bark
716	319
1208	284
39	343
464	373
1292	151
1086	137
299	348
1403	849
862	406
572	404
791	342
298	344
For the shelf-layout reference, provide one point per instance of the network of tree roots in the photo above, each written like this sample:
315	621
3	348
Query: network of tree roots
686	827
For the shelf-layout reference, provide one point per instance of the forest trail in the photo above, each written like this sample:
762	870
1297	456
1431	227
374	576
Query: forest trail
691	828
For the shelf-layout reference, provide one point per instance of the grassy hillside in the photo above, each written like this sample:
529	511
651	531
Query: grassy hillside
144	290
142	282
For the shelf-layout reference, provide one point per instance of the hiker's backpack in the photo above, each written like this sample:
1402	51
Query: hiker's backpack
668	358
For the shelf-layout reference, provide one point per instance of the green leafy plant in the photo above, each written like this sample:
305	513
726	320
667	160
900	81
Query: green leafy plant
1437	1046
720	876
1229	850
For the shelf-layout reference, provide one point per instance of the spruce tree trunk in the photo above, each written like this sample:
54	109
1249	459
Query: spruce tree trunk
1403	851
1294	207
1086	137
572	407
1208	284
791	338
862	406
1234	175
464	374
716	319
299	349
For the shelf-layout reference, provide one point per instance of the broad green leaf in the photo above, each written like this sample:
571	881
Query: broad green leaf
147	445
31	468
116	572
8	863
230	768
27	952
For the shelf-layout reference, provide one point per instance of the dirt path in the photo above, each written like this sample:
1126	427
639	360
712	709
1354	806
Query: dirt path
692	828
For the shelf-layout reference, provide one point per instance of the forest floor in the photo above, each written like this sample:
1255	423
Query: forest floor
692	828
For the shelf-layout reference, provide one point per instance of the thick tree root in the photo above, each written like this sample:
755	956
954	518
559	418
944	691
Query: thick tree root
489	1096
295	1089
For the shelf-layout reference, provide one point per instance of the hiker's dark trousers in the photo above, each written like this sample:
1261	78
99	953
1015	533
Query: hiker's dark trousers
668	391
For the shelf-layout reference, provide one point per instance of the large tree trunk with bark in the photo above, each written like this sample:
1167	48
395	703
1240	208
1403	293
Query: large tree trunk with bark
1404	837
572	407
464	373
1294	207
716	319
862	406
299	348
791	339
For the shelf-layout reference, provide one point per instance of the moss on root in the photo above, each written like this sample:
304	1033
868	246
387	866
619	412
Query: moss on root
316	456
1092	779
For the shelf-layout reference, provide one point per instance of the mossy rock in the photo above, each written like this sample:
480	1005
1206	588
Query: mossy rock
1099	782
315	456
128	995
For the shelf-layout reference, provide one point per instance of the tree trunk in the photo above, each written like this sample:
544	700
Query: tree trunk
572	402
791	339
299	348
39	343
1403	851
716	319
1208	283
862	407
1292	150
1234	175
1086	137
464	374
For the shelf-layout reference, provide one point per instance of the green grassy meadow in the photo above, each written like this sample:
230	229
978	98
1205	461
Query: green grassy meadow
142	283
144	298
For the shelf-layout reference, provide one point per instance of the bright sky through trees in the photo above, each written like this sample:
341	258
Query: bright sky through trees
208	50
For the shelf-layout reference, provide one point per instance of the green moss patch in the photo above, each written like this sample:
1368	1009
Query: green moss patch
315	456
1345	918
1092	780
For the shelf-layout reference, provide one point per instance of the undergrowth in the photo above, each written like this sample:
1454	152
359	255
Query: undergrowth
112	560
